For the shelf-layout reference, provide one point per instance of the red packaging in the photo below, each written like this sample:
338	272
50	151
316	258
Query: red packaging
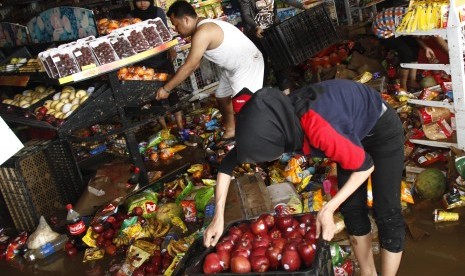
190	212
346	269
427	157
15	245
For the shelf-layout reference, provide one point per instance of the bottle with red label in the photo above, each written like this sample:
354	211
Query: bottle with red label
76	227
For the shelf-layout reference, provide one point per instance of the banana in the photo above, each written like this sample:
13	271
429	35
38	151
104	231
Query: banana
170	249
162	231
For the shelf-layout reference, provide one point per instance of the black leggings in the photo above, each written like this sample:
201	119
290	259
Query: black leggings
385	145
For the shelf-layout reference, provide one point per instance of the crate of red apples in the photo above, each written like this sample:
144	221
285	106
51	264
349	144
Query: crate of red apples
274	245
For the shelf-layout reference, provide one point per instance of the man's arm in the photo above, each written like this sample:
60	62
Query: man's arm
200	42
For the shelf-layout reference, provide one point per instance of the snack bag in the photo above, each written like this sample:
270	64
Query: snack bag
202	197
293	172
147	200
405	193
190	212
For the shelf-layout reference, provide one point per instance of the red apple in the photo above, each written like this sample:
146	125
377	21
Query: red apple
291	260
261	241
307	252
248	236
258	227
225	246
259	251
244	243
274	256
240	265
225	258
275	233
235	230
240	252
269	220
279	243
283	222
212	264
244	227
260	263
308	219
294	234
291	245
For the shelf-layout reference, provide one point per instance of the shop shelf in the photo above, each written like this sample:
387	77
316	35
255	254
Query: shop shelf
426	66
432	103
443	143
205	3
39	180
103	69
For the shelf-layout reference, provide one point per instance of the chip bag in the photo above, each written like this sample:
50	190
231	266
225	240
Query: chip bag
293	172
147	200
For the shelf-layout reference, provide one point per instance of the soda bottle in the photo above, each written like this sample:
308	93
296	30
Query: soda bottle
46	249
76	226
134	179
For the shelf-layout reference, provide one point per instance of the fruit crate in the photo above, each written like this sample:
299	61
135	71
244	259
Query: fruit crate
205	77
192	262
39	180
98	107
300	37
253	195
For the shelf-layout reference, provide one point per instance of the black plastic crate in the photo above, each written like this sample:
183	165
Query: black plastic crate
98	107
192	262
39	180
300	37
135	93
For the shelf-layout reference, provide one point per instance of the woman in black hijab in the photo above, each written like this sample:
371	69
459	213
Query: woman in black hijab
349	123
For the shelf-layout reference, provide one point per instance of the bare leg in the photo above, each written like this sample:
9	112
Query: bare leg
404	73
162	122
226	110
178	119
390	262
364	254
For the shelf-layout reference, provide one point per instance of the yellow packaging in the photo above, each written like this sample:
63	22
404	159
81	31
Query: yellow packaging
146	246
92	254
405	194
169	271
369	193
293	171
133	231
441	215
89	239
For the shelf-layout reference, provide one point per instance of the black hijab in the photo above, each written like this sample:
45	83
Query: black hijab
267	126
149	13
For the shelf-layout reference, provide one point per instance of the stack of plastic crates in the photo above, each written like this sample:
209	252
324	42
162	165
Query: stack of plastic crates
300	37
39	180
205	77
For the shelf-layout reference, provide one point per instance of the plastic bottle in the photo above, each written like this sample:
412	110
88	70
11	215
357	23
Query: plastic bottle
135	175
76	226
46	249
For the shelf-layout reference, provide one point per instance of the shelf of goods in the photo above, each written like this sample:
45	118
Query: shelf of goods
112	101
454	36
359	7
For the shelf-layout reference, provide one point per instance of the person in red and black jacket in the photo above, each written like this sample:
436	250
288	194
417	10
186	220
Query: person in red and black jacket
349	123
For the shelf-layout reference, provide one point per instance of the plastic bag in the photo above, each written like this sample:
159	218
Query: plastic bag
42	235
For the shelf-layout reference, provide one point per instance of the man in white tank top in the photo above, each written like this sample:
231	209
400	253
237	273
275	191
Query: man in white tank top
222	43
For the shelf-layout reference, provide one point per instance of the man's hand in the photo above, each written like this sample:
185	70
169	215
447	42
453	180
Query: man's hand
172	54
214	231
161	94
259	32
309	3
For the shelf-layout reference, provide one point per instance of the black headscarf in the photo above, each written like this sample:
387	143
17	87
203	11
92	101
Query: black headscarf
149	13
267	126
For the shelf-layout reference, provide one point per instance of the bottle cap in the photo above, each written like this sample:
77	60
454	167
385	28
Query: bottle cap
69	207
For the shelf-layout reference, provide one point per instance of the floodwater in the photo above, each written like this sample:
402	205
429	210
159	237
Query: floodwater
441	251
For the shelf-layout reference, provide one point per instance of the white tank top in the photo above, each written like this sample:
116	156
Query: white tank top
235	49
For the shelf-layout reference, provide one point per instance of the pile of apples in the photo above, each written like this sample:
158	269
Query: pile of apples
268	243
